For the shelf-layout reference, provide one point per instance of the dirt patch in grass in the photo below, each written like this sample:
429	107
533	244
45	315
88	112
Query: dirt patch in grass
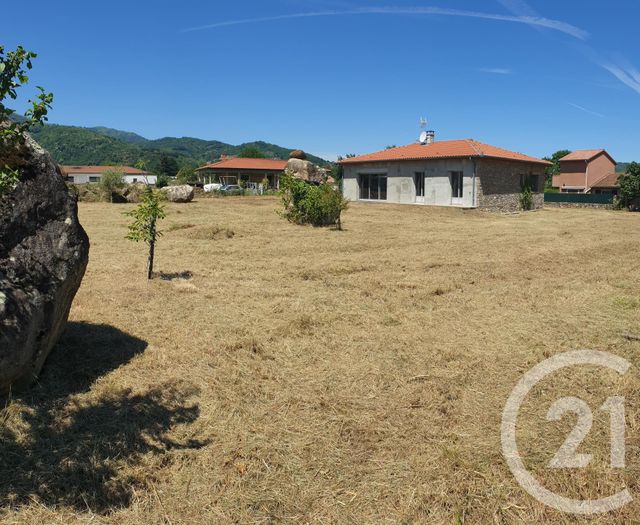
211	233
303	375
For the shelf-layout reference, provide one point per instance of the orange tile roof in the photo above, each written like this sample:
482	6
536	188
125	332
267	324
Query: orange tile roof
583	154
127	170
608	181
447	149
240	163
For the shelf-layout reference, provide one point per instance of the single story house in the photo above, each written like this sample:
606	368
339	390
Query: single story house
582	169
85	174
230	170
463	173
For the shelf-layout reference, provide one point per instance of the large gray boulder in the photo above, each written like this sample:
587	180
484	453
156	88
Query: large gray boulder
43	256
179	193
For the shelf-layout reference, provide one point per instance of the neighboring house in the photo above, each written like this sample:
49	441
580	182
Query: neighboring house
234	170
85	174
582	170
461	173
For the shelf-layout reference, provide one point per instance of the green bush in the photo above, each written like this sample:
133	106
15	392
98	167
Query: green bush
526	196
162	181
111	181
308	204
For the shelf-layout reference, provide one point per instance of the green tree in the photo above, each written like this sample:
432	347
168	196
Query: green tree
554	169
144	225
187	174
167	165
13	75
251	152
629	193
110	181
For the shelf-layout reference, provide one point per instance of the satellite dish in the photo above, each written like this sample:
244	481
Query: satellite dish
423	137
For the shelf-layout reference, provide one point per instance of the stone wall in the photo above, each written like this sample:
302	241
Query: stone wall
579	205
499	184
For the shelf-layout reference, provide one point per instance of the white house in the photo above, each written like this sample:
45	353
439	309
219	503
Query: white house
463	173
85	174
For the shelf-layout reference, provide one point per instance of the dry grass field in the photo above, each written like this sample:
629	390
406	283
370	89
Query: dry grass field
285	374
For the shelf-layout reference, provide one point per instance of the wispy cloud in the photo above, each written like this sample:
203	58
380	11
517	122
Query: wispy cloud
496	70
581	108
536	21
620	69
627	74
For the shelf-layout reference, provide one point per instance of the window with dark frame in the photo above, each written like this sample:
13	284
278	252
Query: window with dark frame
373	186
457	181
418	180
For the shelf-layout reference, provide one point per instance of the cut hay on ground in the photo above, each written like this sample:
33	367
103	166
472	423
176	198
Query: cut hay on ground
287	374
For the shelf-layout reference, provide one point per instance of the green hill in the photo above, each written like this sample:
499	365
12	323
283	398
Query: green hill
622	167
100	145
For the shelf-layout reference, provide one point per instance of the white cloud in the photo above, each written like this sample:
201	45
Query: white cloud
496	70
529	20
581	108
623	70
626	74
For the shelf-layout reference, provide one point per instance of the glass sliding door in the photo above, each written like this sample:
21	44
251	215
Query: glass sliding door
373	186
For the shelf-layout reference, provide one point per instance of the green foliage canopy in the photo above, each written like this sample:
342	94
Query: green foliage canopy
251	152
13	75
629	193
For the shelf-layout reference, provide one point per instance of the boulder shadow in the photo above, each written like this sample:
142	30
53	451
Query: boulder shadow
64	443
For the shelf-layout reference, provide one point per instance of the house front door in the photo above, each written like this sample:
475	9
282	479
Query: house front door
457	182
418	183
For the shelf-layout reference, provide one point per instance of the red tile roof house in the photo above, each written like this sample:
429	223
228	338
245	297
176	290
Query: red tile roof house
84	174
233	170
586	171
462	173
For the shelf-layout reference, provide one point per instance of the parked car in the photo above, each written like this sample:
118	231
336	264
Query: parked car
212	187
231	189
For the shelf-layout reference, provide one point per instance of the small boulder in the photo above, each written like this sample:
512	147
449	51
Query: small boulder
43	256
183	193
133	192
298	154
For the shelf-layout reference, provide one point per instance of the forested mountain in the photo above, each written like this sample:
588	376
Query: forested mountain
100	145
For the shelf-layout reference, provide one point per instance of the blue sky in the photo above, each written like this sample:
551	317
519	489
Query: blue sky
336	77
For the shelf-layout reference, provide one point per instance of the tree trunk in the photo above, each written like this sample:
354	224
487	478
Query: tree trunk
152	248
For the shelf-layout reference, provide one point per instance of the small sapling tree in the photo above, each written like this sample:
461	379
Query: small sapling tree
144	226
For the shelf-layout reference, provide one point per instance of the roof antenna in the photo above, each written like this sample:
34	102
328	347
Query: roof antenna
423	133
